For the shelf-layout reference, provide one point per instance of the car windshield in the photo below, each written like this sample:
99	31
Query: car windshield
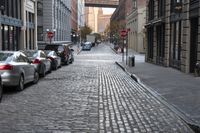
32	53
7	57
49	53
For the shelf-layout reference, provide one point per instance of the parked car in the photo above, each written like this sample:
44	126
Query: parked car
63	50
1	89
87	46
40	61
16	69
55	59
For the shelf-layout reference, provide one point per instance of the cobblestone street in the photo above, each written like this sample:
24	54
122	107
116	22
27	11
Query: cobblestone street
90	95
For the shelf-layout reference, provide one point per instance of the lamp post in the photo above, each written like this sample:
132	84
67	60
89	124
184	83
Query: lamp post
81	26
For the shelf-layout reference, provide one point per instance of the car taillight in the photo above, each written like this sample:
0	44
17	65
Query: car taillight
6	67
36	61
51	58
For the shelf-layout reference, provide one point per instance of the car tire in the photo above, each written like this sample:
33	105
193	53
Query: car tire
20	86
36	77
50	70
43	72
56	66
1	91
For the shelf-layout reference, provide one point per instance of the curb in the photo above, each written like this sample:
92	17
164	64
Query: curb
79	51
193	125
114	50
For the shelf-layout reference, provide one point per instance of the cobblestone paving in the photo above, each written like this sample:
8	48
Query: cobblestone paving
64	101
125	106
91	95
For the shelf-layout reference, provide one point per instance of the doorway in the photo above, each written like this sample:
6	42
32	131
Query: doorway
193	44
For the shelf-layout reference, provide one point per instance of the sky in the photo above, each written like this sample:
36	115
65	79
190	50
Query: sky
108	10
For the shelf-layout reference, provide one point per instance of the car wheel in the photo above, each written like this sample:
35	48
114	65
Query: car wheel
20	86
50	70
36	77
56	66
43	72
1	92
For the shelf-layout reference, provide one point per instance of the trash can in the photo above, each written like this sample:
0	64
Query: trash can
132	61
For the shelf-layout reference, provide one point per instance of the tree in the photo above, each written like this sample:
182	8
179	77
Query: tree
85	31
113	30
97	36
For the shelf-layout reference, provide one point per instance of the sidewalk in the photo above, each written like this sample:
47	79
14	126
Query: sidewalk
180	90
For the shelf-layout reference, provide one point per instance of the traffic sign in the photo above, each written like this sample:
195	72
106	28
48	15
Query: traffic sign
50	34
123	33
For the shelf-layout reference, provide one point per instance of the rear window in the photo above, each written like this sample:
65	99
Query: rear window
51	47
6	57
31	54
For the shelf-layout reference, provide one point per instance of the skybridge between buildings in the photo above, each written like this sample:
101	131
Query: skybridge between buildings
102	3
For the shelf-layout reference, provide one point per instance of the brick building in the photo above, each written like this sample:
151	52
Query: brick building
74	20
120	13
173	38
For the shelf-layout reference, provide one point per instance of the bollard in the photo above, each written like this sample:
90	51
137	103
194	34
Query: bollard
197	69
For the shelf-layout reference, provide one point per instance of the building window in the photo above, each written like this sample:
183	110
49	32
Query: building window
175	60
150	33
161	8
40	33
134	4
151	9
176	6
160	42
40	8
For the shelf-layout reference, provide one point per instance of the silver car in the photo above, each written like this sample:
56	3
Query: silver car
16	69
1	89
40	61
55	59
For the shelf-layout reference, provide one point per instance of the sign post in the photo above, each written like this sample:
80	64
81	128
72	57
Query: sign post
123	34
50	35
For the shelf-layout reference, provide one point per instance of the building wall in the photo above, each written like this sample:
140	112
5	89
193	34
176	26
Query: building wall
181	35
103	21
74	20
90	15
74	15
17	22
81	13
54	15
92	18
136	20
120	13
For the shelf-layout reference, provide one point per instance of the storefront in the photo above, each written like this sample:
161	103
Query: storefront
176	20
10	24
194	26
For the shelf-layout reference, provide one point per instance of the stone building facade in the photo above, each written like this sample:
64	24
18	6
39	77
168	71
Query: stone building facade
18	19
74	20
103	20
136	20
55	16
172	30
